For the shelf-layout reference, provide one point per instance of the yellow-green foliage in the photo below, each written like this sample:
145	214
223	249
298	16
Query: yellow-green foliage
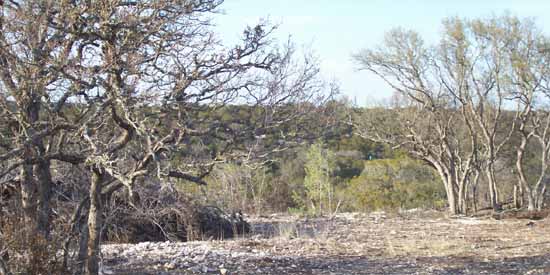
317	182
400	183
252	190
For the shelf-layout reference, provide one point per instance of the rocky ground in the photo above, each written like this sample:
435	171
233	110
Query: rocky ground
408	243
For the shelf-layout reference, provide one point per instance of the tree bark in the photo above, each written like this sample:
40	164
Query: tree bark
94	224
28	198
448	182
518	195
531	200
493	194
535	196
474	197
451	194
44	177
451	198
540	199
462	199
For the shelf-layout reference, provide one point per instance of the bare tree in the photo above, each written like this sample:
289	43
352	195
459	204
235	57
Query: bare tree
127	89
432	126
462	89
489	90
527	52
34	41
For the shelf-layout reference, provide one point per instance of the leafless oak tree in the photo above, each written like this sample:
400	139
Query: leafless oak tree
127	89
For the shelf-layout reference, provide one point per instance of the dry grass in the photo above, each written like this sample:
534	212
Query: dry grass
419	243
426	235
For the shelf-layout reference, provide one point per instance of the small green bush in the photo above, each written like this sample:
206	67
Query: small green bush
392	184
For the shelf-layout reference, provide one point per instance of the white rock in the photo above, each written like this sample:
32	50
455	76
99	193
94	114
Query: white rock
170	266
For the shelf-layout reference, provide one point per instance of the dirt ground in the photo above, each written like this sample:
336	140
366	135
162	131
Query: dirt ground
407	243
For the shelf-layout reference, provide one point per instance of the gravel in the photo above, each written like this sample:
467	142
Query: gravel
352	243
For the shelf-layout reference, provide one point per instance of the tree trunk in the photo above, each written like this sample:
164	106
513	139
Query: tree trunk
535	197
28	198
452	197
493	194
474	185
531	194
540	199
44	177
30	232
518	196
448	182
462	198
531	204
522	180
94	224
474	197
34	180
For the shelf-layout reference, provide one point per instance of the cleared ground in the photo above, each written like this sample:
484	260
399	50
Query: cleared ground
409	243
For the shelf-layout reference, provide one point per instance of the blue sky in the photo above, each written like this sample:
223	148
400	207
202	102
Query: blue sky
337	28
